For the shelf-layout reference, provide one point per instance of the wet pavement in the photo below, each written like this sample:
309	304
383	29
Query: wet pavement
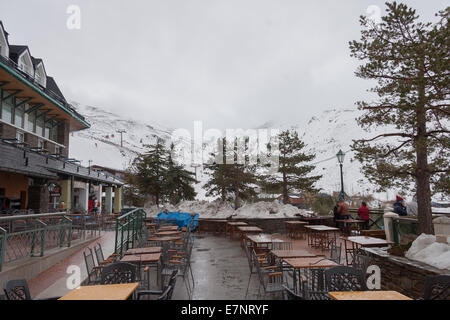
220	269
53	281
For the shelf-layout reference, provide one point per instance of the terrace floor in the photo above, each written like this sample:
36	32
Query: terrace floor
219	266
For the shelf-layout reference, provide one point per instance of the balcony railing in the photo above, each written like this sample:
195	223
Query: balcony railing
10	63
31	235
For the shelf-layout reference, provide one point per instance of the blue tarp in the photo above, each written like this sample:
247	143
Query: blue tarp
183	219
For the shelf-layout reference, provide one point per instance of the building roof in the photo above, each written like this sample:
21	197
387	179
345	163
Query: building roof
52	86
15	51
5	32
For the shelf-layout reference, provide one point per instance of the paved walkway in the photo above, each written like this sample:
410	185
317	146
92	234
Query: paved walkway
53	282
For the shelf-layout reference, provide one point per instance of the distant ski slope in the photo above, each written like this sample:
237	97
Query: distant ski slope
324	135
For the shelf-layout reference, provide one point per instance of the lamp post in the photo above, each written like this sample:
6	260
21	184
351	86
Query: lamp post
340	156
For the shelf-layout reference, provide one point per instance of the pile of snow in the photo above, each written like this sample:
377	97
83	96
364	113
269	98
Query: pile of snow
223	210
425	249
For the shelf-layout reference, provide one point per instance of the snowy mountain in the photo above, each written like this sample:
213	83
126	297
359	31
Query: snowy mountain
102	143
324	135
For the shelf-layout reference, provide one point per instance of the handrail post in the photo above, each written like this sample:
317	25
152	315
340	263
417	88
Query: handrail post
116	236
69	230
3	246
43	236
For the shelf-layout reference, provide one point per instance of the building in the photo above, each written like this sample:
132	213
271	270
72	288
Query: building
35	124
115	172
295	200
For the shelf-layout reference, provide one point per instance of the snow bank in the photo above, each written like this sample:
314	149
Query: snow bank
425	249
223	210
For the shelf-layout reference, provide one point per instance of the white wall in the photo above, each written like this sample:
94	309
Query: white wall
5	49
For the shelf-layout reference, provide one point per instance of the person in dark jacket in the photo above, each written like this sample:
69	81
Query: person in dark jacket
336	214
400	206
364	214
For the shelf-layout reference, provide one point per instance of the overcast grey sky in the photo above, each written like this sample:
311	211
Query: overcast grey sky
231	64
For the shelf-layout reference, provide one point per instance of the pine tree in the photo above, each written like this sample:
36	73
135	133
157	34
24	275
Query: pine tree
218	184
230	179
293	172
150	170
179	181
410	62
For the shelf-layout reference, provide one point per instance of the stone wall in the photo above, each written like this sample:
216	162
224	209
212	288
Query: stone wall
401	274
275	225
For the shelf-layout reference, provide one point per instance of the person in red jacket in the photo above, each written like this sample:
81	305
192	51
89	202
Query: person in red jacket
363	214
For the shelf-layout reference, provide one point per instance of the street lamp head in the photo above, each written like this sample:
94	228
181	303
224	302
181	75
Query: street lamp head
340	155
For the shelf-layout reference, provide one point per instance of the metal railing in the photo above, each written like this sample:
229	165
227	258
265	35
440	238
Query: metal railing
130	229
404	227
25	236
376	221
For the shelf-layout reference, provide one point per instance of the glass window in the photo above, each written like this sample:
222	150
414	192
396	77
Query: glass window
20	136
47	132
7	108
39	126
18	118
41	144
31	119
55	134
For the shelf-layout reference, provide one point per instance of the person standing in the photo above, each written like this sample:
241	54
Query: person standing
364	214
343	210
336	214
400	206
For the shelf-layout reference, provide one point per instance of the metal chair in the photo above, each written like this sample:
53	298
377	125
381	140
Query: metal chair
437	287
361	262
93	271
336	253
118	272
270	281
182	264
166	293
290	295
343	278
18	290
100	257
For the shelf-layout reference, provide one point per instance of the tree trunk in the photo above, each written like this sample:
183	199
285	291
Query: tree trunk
422	172
285	190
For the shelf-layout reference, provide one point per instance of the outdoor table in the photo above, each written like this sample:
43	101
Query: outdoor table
319	236
318	220
278	255
244	230
362	241
299	264
348	225
164	239
261	242
295	229
368	295
232	226
168	228
151	226
143	250
167	233
151	259
121	291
